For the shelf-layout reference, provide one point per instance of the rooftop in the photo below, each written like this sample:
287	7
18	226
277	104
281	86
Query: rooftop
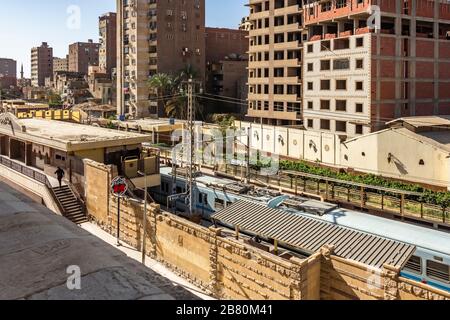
310	234
37	247
422	122
71	137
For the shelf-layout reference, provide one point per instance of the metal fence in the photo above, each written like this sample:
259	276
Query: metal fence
402	203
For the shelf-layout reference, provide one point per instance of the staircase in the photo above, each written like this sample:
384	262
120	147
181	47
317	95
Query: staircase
71	206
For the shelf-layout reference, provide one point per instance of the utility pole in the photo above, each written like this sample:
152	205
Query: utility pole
190	179
191	155
144	223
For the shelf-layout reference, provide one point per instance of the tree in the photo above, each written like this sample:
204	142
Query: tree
54	100
163	85
170	91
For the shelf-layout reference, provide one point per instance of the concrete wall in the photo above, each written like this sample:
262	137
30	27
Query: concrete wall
366	154
35	189
293	143
371	153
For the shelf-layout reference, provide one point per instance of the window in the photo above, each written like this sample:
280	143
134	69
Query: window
414	265
438	271
324	104
310	48
359	86
325	45
202	198
341	84
359	63
359	129
325	84
341	126
359	42
310	86
326	6
325	124
359	108
310	67
341	64
219	204
341	105
325	65
310	105
310	123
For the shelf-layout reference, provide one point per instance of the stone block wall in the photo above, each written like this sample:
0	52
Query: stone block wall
227	268
342	279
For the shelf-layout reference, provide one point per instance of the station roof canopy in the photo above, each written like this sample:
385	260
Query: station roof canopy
309	234
67	136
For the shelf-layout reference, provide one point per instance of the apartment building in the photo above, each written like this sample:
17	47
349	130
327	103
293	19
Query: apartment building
156	37
60	64
226	69
82	55
41	64
8	68
363	69
275	61
108	44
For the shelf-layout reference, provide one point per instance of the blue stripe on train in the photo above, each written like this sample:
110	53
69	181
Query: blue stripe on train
430	283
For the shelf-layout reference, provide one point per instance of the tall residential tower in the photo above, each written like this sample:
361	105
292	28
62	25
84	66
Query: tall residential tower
108	42
275	73
41	64
156	36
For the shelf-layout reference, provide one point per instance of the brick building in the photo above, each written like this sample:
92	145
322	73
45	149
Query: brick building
8	68
226	68
41	64
147	47
108	44
323	64
60	64
357	77
82	55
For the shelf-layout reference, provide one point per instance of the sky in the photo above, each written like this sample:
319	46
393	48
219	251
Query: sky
27	23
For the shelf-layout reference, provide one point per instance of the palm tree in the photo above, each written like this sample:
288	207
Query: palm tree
169	89
188	72
175	107
163	85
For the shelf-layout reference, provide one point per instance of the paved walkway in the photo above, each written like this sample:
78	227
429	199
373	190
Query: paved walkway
37	248
151	264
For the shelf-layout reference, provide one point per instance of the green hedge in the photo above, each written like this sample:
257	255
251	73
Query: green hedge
438	198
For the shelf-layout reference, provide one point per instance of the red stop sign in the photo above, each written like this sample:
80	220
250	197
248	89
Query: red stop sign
119	186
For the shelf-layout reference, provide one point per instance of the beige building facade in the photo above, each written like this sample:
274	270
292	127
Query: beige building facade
275	85
60	64
156	37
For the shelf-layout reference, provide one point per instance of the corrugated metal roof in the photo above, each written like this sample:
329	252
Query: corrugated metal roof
309	234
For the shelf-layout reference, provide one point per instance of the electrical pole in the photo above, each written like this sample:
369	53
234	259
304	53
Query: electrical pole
144	222
191	168
191	155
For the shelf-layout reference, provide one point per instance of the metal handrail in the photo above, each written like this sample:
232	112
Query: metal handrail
33	174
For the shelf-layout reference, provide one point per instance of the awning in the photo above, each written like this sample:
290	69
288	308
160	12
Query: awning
309	234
